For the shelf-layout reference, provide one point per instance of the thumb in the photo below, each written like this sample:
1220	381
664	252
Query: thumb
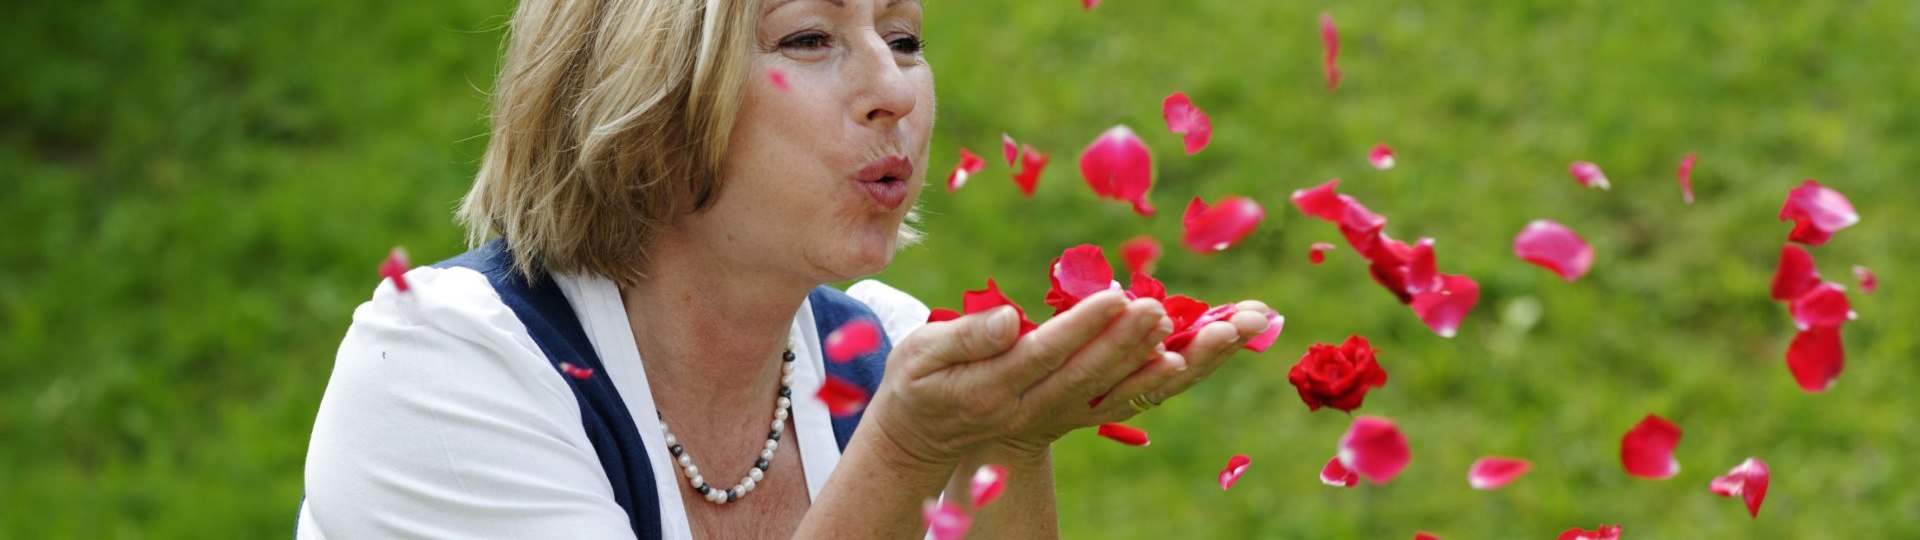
974	337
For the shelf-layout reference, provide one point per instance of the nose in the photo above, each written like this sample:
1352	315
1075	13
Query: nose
885	93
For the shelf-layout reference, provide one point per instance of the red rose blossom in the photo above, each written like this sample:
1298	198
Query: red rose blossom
1337	377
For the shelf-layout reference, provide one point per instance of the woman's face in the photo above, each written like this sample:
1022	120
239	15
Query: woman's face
830	148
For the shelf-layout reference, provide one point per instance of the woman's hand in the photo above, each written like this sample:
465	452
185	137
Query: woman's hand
953	385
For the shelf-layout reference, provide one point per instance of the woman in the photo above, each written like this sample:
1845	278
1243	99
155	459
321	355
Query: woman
673	181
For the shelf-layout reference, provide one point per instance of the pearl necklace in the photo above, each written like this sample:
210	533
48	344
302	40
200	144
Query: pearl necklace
759	470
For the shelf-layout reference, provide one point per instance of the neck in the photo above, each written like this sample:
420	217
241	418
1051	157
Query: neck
711	330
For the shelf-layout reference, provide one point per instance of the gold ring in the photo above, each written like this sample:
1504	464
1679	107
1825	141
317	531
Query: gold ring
1141	403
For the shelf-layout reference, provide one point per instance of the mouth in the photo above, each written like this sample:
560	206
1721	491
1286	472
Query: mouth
885	180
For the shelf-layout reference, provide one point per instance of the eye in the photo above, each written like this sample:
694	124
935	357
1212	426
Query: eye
806	41
908	45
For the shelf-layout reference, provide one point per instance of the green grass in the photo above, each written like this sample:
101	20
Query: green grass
197	194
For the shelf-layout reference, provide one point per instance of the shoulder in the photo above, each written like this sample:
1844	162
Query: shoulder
899	313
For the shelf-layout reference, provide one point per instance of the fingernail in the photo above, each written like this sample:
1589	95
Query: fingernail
1179	362
1001	321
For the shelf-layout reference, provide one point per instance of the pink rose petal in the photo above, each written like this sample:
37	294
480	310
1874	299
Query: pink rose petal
1331	38
395	268
1321	201
1686	178
1795	275
1337	475
1605	532
1442	310
852	340
1118	166
1215	228
1588	175
969	164
1493	472
1647	449
1423	535
1554	247
1081	271
842	398
1184	119
1824	305
1007	147
1124	434
988	483
1087	5
1317	253
1264	340
1815	358
1817	212
1374	448
576	372
1748	480
1236	466
1032	162
945	521
1140	253
1422	271
1381	156
1866	278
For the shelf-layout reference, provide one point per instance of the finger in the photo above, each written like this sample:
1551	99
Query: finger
1209	350
1253	305
1046	348
973	337
1106	360
1151	380
1249	323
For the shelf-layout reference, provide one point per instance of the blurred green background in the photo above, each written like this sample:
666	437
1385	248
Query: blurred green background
196	195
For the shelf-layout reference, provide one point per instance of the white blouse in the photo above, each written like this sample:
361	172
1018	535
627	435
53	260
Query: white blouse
443	419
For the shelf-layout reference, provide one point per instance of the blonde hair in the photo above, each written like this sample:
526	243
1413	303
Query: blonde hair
610	118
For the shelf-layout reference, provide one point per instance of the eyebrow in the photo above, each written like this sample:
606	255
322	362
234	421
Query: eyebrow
836	3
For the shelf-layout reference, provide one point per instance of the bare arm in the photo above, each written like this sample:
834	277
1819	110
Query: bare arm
1027	508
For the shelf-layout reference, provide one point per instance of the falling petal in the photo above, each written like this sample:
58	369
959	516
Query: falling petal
1374	448
1321	201
988	483
1686	178
1817	212
1008	147
1381	156
1442	310
1264	340
1815	358
969	164
1824	305
1553	246
1184	119
1337	475
1317	253
1647	449
1331	38
1589	175
945	521
1031	163
1118	166
1494	472
1795	275
1215	228
778	79
1423	535
1236	466
1866	278
842	398
576	372
1088	4
1422	272
989	298
941	315
1140	253
395	268
1124	434
852	340
1605	532
1748	480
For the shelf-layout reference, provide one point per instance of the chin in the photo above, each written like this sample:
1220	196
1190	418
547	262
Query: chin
861	255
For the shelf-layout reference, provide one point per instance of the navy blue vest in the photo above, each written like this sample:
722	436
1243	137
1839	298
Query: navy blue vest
549	318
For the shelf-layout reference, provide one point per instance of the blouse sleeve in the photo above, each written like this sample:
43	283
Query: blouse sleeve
900	313
444	420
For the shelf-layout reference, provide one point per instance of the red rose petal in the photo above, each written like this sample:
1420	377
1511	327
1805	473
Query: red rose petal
1423	535
1686	178
852	340
842	398
1824	305
945	521
1236	466
1321	201
1553	246
1331	38
1374	448
988	483
1422	271
1647	449
1748	480
1184	333
1124	434
1442	310
969	164
1494	472
1031	163
1141	285
1184	119
1605	532
1866	278
1140	253
778	79
985	299
1337	475
1119	167
1795	275
576	372
1381	156
395	268
1817	212
1079	272
1815	358
1088	4
1007	147
1212	229
941	315
1588	175
1317	253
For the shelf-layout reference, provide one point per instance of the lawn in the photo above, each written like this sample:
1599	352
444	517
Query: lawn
199	191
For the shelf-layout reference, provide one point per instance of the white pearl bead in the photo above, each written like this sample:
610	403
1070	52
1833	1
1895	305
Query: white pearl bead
786	368
780	414
783	403
696	482
686	459
750	482
693	471
717	496
779	425
754	476
772	444
767	454
670	440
